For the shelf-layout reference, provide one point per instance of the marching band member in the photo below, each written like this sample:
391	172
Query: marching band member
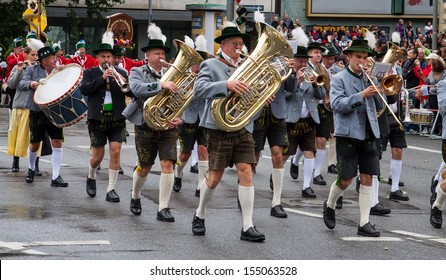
190	131
60	59
145	82
81	57
226	147
302	112
125	62
11	61
356	131
39	122
106	101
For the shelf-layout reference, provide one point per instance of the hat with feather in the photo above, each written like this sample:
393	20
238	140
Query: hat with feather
156	39
359	46
80	44
17	42
107	43
302	42
200	46
56	46
42	50
396	38
229	30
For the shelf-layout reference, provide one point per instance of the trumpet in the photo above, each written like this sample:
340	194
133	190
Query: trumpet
381	96
120	80
407	118
310	76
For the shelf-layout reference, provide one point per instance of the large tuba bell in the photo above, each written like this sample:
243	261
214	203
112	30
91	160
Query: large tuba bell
165	106
263	71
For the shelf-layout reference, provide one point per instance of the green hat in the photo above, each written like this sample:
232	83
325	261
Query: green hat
32	35
17	42
231	31
316	45
302	52
104	47
359	46
56	47
331	51
80	44
44	52
155	44
117	50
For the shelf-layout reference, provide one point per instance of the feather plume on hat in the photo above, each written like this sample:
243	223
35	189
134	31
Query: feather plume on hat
154	33
107	38
200	43
371	39
300	36
227	23
188	40
259	17
396	37
35	44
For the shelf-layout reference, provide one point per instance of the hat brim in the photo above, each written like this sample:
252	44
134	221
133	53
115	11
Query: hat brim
146	48
220	38
354	49
303	55
103	50
322	49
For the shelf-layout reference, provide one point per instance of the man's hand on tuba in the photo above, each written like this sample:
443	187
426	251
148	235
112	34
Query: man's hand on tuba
238	87
171	86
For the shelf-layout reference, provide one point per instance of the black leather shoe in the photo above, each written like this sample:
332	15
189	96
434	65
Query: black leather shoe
135	206
358	184
198	227
252	234
177	184
333	169
271	184
59	182
99	167
30	176
398	195
278	212
436	217
91	187
433	198
308	193
15	164
37	170
379	210
329	216
121	171
368	230
165	215
339	202
294	171
434	184
400	183
197	193
112	196
194	169
319	180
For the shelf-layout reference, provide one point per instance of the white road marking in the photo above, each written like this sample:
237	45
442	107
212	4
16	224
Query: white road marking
22	246
364	238
441	240
17	246
303	213
424	149
413	234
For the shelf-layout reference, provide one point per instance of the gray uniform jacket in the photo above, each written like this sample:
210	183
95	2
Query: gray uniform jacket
33	73
351	111
295	99
211	84
143	85
20	96
194	111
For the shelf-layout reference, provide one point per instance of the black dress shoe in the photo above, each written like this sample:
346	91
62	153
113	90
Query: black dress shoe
319	180
278	212
165	215
368	230
112	196
339	202
91	187
271	184
252	234
194	169
15	164
308	193
329	216
433	198
358	184
436	217
177	184
197	193
333	169
379	210
434	184
121	171
99	167
398	195
294	171
400	183
59	182
198	227
135	206
30	176
37	170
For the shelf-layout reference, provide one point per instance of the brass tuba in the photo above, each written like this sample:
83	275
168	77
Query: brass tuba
263	71
165	106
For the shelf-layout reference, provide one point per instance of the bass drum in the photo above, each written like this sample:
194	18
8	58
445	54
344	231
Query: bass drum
59	96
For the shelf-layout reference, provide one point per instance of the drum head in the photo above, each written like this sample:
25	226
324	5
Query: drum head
59	84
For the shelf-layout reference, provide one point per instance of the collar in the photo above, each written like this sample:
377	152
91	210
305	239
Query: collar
227	58
310	65
353	73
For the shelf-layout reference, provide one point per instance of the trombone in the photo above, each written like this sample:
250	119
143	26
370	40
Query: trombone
380	95
120	80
